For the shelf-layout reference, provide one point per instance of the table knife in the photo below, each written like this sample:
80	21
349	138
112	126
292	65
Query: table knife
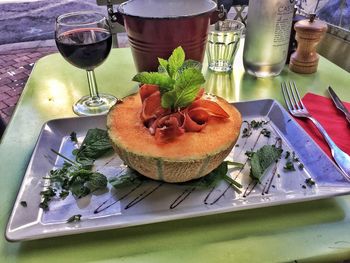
338	103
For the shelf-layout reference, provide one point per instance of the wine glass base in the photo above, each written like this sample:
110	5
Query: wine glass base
88	106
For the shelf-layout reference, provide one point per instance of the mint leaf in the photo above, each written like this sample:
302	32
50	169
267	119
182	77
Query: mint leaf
129	178
168	99
163	65
155	78
175	61
73	137
95	144
74	218
262	159
189	77
186	97
187	86
97	181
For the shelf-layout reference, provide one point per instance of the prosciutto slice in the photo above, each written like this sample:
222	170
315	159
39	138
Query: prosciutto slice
166	125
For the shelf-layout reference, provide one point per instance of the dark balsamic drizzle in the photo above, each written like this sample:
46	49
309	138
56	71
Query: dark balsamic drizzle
207	197
100	208
245	140
268	184
182	197
142	196
250	188
218	198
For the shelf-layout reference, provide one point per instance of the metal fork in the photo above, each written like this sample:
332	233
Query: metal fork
296	108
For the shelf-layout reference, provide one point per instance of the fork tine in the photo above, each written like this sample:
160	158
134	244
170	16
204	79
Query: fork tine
288	92
292	90
284	93
298	96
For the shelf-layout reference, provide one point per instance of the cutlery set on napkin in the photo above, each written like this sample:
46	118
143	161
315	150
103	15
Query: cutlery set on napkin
330	116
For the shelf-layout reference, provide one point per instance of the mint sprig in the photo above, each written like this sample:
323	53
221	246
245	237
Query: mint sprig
262	159
179	80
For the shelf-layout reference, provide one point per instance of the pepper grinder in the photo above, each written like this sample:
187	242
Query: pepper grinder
308	34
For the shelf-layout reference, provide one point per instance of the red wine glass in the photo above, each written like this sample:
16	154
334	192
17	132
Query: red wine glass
84	39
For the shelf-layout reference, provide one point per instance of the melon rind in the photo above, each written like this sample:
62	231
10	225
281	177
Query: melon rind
172	170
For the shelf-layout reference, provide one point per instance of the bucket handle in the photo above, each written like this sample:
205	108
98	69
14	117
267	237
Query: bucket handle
219	14
115	17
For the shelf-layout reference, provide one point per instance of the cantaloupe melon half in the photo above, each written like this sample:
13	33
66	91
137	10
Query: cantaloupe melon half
189	156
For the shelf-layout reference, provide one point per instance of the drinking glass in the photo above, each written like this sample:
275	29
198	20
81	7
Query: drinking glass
84	39
223	42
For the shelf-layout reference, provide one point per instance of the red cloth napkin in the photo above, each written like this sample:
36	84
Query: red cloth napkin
334	122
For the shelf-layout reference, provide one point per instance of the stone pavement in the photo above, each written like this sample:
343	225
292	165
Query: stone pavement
15	67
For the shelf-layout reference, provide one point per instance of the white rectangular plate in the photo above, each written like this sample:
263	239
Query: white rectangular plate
154	201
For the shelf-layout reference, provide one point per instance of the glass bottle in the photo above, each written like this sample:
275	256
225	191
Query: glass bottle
267	36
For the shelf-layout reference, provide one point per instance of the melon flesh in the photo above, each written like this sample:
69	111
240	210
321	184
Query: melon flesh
189	156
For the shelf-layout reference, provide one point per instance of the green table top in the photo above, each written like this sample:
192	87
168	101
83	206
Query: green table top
317	231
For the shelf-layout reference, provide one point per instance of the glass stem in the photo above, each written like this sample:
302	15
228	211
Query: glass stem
92	85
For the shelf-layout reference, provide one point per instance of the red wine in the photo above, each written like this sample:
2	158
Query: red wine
85	48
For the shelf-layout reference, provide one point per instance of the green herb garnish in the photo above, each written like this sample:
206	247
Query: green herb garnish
255	125
63	194
295	159
47	196
310	182
289	166
266	132
178	80
262	159
246	132
291	158
76	177
77	180
95	144
129	177
74	218
287	154
249	154
73	137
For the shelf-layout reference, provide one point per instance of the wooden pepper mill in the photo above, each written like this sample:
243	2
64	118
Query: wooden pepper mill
308	34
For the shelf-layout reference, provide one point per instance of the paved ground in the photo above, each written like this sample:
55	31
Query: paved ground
15	67
22	21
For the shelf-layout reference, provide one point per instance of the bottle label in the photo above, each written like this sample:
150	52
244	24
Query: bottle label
284	17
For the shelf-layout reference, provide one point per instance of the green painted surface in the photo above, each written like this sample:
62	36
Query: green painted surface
317	231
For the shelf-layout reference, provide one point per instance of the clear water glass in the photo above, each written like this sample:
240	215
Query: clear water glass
223	43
